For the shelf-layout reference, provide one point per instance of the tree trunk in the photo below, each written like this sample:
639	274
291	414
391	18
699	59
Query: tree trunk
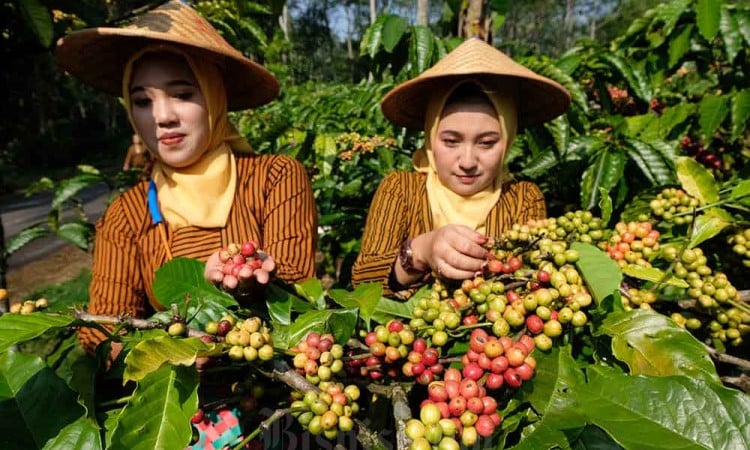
373	12
423	12
284	21
592	25
474	23
568	21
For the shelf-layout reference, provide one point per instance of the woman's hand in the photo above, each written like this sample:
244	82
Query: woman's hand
240	280
453	251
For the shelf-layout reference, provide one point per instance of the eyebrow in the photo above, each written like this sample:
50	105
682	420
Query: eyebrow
173	83
481	135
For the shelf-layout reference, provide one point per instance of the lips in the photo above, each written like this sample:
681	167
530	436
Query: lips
171	138
467	179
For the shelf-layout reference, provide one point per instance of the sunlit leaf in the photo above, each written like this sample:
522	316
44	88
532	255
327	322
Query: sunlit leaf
653	274
393	30
652	344
712	109
422	48
741	191
69	188
81	434
183	278
312	291
600	272
605	205
679	45
730	33
17	328
366	297
708	16
603	172
79	234
706	226
740	112
697	181
151	354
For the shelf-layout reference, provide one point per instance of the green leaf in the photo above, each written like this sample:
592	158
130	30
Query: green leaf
653	344
69	188
365	297
279	302
17	328
81	434
679	45
651	162
24	237
552	393
708	16
742	190
670	13
712	109
35	404
742	16
322	321
600	272
605	205
697	181
672	117
730	33
158	414
151	354
637	81
422	47
603	172
740	112
653	274
183	277
79	234
387	309
594	438
312	291
668	412
37	17
373	37
706	226
393	30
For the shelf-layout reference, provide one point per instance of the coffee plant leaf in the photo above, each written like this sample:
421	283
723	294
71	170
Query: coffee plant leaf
198	313
682	411
740	110
181	279
24	237
653	274
653	344
673	119
339	322
679	45
697	181
279	303
600	272
39	20
422	48
82	379
605	205
366	297
741	192
17	328
708	16
712	110
387	309
592	437
69	188
604	171
637	82
651	162
79	234
730	33
158	414
83	433
312	291
35	404
373	37
393	30
707	225
149	355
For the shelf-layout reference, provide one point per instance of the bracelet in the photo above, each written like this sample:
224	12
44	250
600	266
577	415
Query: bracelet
406	258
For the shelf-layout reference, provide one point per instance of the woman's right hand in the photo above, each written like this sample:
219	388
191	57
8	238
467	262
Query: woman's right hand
453	251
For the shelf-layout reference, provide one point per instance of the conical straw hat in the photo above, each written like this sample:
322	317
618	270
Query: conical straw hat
539	98
97	56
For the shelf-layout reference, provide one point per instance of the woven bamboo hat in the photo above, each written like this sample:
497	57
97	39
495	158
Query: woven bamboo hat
539	98
97	56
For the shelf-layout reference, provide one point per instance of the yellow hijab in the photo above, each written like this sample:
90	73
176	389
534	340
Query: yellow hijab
202	194
446	206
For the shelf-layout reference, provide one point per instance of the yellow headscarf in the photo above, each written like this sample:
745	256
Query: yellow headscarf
202	194
446	206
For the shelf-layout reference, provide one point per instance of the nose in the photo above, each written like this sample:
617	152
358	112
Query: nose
164	112
467	160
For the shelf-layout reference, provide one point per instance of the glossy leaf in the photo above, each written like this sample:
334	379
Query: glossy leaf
312	291
603	172
79	234
605	205
35	404
742	16
387	309
653	274
69	188
81	434
679	45
712	109
652	344
422	48
365	297
24	237
321	321
183	277
651	162
17	328
37	17
674	412
198	313
741	192
600	272
730	33
706	226
697	181
740	112
637	82
158	414
151	354
669	13
708	16
594	438
393	30
373	37
279	302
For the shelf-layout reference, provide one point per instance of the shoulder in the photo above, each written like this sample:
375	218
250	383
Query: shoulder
131	207
523	189
401	181
271	165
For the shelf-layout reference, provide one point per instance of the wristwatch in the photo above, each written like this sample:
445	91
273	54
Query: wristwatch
406	257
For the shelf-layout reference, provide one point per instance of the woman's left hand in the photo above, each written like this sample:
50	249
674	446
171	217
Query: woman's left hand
244	278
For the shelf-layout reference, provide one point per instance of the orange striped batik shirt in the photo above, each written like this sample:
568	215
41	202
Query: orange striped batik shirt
400	209
273	205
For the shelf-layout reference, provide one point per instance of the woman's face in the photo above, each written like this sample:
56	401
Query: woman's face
468	146
169	109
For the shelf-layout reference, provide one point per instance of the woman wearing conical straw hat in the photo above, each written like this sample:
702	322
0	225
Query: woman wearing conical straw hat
178	78
436	219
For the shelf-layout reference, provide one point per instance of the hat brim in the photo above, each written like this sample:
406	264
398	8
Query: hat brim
539	99
97	56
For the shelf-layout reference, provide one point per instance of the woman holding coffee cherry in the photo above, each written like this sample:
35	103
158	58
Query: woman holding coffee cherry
438	219
178	78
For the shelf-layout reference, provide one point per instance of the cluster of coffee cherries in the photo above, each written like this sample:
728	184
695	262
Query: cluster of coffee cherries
673	205
579	225
632	243
28	306
329	410
244	340
700	153
438	314
740	242
318	357
240	260
638	298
